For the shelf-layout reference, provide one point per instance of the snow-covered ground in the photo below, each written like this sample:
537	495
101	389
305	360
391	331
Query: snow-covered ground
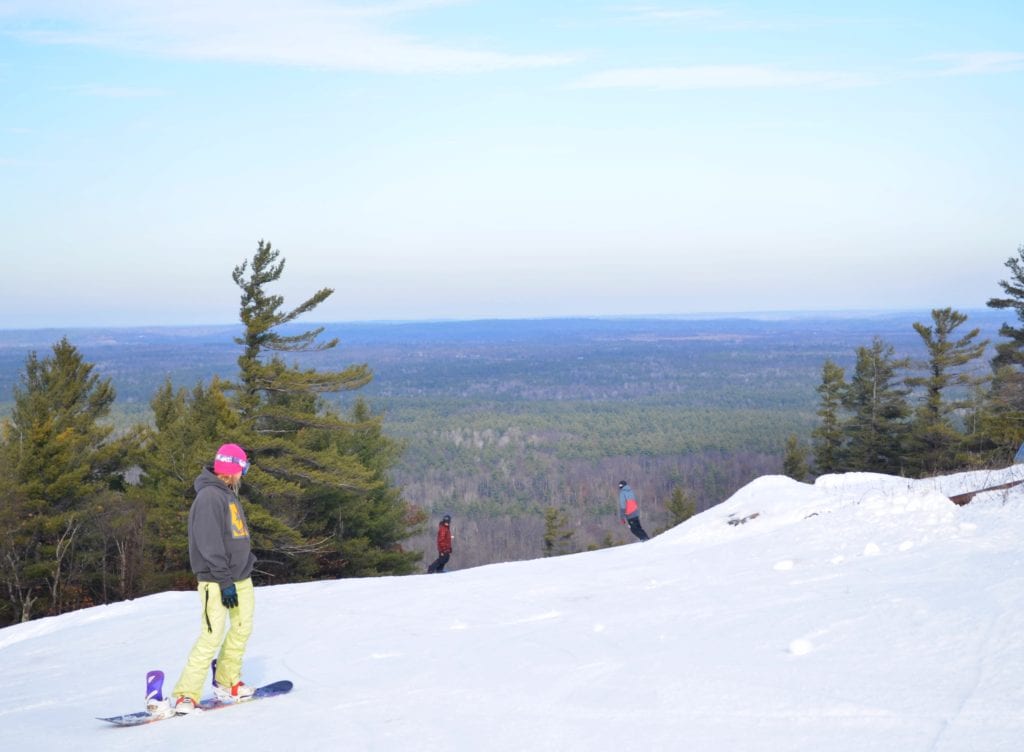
863	612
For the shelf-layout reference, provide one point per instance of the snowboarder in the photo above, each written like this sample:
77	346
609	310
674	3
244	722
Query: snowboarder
629	510
220	553
444	545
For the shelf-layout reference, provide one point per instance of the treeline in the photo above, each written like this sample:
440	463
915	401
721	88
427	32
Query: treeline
942	413
90	516
499	509
498	469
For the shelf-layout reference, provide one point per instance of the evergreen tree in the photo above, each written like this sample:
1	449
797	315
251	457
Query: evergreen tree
557	533
794	462
681	506
315	472
828	437
1001	424
1011	353
934	442
54	429
878	411
56	460
368	524
998	429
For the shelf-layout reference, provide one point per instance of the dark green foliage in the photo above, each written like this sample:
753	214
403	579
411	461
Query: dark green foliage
557	533
1011	352
54	434
934	441
56	465
877	404
828	437
1001	418
794	463
681	506
996	427
942	419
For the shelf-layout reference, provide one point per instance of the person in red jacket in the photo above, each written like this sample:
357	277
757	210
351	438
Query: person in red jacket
444	545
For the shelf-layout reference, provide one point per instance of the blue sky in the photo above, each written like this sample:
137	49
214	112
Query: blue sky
445	159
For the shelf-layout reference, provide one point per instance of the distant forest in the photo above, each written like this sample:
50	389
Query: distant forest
501	420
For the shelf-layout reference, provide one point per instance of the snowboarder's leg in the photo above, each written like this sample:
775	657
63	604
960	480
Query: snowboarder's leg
212	622
441	561
229	661
634	526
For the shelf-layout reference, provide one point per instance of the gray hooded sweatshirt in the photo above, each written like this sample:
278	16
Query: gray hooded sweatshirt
219	547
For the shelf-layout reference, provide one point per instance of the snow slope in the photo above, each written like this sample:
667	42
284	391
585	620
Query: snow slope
863	612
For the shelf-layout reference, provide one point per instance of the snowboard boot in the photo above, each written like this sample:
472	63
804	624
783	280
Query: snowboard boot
238	692
184	706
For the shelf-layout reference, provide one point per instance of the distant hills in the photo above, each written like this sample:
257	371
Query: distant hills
565	358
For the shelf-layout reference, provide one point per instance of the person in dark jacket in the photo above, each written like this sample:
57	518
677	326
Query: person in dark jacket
629	510
220	552
444	545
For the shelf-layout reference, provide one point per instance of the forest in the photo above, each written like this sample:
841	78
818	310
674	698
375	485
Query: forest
494	422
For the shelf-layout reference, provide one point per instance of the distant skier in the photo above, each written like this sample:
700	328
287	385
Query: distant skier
629	510
444	545
220	553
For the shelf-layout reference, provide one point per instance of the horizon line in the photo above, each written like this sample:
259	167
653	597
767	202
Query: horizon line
697	315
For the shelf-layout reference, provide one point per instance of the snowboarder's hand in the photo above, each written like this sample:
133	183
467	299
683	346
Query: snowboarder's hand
622	520
229	596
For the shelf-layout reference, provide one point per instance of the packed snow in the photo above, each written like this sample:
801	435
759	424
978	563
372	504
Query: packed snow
863	612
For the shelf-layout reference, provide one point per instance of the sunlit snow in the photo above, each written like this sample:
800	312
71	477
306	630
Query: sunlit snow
863	612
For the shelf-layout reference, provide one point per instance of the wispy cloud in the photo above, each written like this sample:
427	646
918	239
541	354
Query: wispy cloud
107	91
309	33
660	13
716	77
727	19
978	63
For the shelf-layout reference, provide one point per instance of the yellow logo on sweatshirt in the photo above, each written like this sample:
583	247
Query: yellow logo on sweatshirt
237	523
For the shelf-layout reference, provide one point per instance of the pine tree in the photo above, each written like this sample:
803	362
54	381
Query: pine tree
56	459
794	462
999	426
55	425
934	442
1011	352
368	524
557	533
1001	423
681	506
828	437
878	411
313	471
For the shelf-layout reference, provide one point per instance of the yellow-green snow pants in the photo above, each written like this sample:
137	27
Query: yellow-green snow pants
214	618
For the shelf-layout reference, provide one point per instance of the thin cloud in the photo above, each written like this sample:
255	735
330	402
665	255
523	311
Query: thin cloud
979	63
715	77
659	13
720	19
107	91
306	33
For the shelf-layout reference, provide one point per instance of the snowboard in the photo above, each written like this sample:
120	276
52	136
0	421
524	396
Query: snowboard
154	679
